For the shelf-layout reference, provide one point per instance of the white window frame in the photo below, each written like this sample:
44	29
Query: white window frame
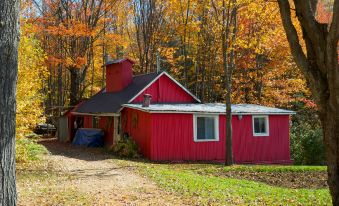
267	122
216	128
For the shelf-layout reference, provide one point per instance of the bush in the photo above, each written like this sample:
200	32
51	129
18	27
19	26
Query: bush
307	147
28	150
126	147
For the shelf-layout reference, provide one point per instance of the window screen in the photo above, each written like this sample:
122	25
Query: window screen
205	128
260	126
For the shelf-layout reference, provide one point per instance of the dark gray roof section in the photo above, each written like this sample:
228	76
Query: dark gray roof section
117	61
111	102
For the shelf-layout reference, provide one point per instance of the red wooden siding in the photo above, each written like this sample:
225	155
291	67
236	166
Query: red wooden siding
170	137
118	76
87	121
271	149
107	124
165	90
138	125
163	137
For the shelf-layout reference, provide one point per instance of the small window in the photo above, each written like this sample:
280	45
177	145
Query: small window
206	128
260	126
95	122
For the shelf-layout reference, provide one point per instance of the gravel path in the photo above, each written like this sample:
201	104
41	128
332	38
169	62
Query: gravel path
97	175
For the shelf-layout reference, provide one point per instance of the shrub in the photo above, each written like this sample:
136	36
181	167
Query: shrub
126	147
307	147
28	150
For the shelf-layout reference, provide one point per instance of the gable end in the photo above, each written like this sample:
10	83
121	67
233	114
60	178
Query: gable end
155	88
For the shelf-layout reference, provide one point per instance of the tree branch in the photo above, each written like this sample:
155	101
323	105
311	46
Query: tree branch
292	35
314	33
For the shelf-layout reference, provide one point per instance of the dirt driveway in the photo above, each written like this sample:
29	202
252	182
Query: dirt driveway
91	178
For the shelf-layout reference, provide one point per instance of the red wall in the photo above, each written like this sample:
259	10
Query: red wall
170	137
165	90
273	148
118	76
87	121
107	124
163	137
138	125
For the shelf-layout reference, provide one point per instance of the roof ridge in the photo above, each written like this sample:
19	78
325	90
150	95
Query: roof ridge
138	75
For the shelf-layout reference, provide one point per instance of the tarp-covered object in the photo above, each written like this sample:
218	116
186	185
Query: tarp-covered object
89	137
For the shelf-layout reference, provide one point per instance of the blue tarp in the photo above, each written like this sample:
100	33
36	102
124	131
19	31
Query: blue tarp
89	137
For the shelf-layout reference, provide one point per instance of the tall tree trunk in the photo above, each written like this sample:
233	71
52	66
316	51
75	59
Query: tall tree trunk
75	86
60	86
231	67
321	69
228	20
225	36
330	123
9	40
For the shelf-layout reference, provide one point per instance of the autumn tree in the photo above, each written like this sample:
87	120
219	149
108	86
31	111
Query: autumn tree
319	64
9	41
148	23
32	75
73	31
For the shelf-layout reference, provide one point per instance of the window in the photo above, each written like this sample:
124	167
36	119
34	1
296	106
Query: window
95	122
260	126
206	128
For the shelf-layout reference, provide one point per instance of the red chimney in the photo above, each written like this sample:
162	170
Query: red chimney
118	74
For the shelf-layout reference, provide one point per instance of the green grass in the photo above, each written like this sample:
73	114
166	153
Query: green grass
211	168
275	168
209	189
28	150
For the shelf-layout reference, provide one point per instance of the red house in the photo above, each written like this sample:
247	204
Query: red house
169	123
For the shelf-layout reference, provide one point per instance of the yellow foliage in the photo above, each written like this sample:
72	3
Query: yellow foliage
32	72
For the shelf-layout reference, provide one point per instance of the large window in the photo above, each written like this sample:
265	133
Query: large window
206	128
260	126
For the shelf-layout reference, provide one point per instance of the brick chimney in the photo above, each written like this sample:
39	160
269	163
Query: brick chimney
118	74
147	100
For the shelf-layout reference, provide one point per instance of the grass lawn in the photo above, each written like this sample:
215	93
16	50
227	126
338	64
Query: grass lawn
204	184
198	184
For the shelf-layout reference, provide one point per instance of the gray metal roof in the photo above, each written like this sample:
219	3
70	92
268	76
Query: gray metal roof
210	108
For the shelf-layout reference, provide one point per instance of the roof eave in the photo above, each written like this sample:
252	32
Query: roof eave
206	112
96	114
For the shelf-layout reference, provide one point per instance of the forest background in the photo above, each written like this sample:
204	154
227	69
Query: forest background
65	44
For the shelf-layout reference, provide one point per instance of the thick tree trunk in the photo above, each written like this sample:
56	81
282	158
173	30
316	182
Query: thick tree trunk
330	123
320	67
9	39
75	86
